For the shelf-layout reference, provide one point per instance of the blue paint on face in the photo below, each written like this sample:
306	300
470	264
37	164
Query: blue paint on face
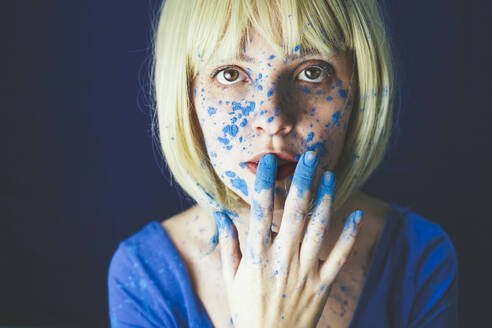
220	102
297	48
242	165
260	87
318	92
269	93
271	57
244	110
339	83
270	119
263	112
342	93
230	174
294	135
240	139
240	184
319	147
260	76
310	137
329	98
327	125
266	173
275	112
212	110
231	130
336	118
304	172
243	122
228	147
305	89
233	120
225	141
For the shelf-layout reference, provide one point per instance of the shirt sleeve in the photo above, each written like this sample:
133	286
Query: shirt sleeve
436	286
133	301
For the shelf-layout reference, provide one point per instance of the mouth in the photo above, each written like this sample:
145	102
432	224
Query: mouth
283	170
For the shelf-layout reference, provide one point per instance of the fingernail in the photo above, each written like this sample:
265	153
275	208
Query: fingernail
328	179
310	158
358	216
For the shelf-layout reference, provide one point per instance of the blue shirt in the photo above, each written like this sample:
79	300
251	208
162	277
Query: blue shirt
412	280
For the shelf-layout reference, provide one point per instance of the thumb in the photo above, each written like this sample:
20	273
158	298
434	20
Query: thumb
229	247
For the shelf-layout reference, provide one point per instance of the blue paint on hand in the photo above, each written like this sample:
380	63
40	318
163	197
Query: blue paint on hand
266	173
304	172
327	187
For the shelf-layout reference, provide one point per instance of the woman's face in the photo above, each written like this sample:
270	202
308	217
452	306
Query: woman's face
264	104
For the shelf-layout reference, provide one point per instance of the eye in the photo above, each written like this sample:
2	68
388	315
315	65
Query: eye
314	73
229	75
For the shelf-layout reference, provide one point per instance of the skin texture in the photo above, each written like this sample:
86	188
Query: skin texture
266	104
272	105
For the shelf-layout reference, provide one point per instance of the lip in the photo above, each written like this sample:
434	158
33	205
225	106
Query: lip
286	167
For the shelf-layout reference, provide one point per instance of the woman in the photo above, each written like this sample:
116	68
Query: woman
260	105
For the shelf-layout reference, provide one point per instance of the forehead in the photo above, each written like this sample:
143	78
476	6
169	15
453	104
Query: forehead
255	48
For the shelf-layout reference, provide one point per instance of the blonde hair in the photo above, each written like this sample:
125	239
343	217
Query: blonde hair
192	32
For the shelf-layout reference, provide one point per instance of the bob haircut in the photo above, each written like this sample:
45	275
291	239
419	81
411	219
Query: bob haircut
190	33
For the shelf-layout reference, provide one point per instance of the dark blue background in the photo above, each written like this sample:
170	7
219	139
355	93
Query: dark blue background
79	171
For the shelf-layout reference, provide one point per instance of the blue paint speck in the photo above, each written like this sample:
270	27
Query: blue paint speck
310	137
212	110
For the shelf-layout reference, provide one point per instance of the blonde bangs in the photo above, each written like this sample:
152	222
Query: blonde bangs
194	33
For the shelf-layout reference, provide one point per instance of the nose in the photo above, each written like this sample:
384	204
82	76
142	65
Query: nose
273	121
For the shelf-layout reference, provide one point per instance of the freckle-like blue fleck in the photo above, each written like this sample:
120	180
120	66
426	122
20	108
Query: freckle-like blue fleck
336	118
212	110
240	184
342	93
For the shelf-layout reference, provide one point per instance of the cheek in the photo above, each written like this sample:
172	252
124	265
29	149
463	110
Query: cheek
324	121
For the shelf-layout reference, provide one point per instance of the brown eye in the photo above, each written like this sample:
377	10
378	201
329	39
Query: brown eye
230	76
313	72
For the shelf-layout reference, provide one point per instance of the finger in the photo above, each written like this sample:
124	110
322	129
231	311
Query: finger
230	252
319	221
261	212
341	250
297	202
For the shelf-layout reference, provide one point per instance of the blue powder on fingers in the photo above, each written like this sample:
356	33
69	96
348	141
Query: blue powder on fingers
303	174
266	173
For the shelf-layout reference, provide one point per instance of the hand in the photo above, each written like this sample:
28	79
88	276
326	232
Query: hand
283	283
